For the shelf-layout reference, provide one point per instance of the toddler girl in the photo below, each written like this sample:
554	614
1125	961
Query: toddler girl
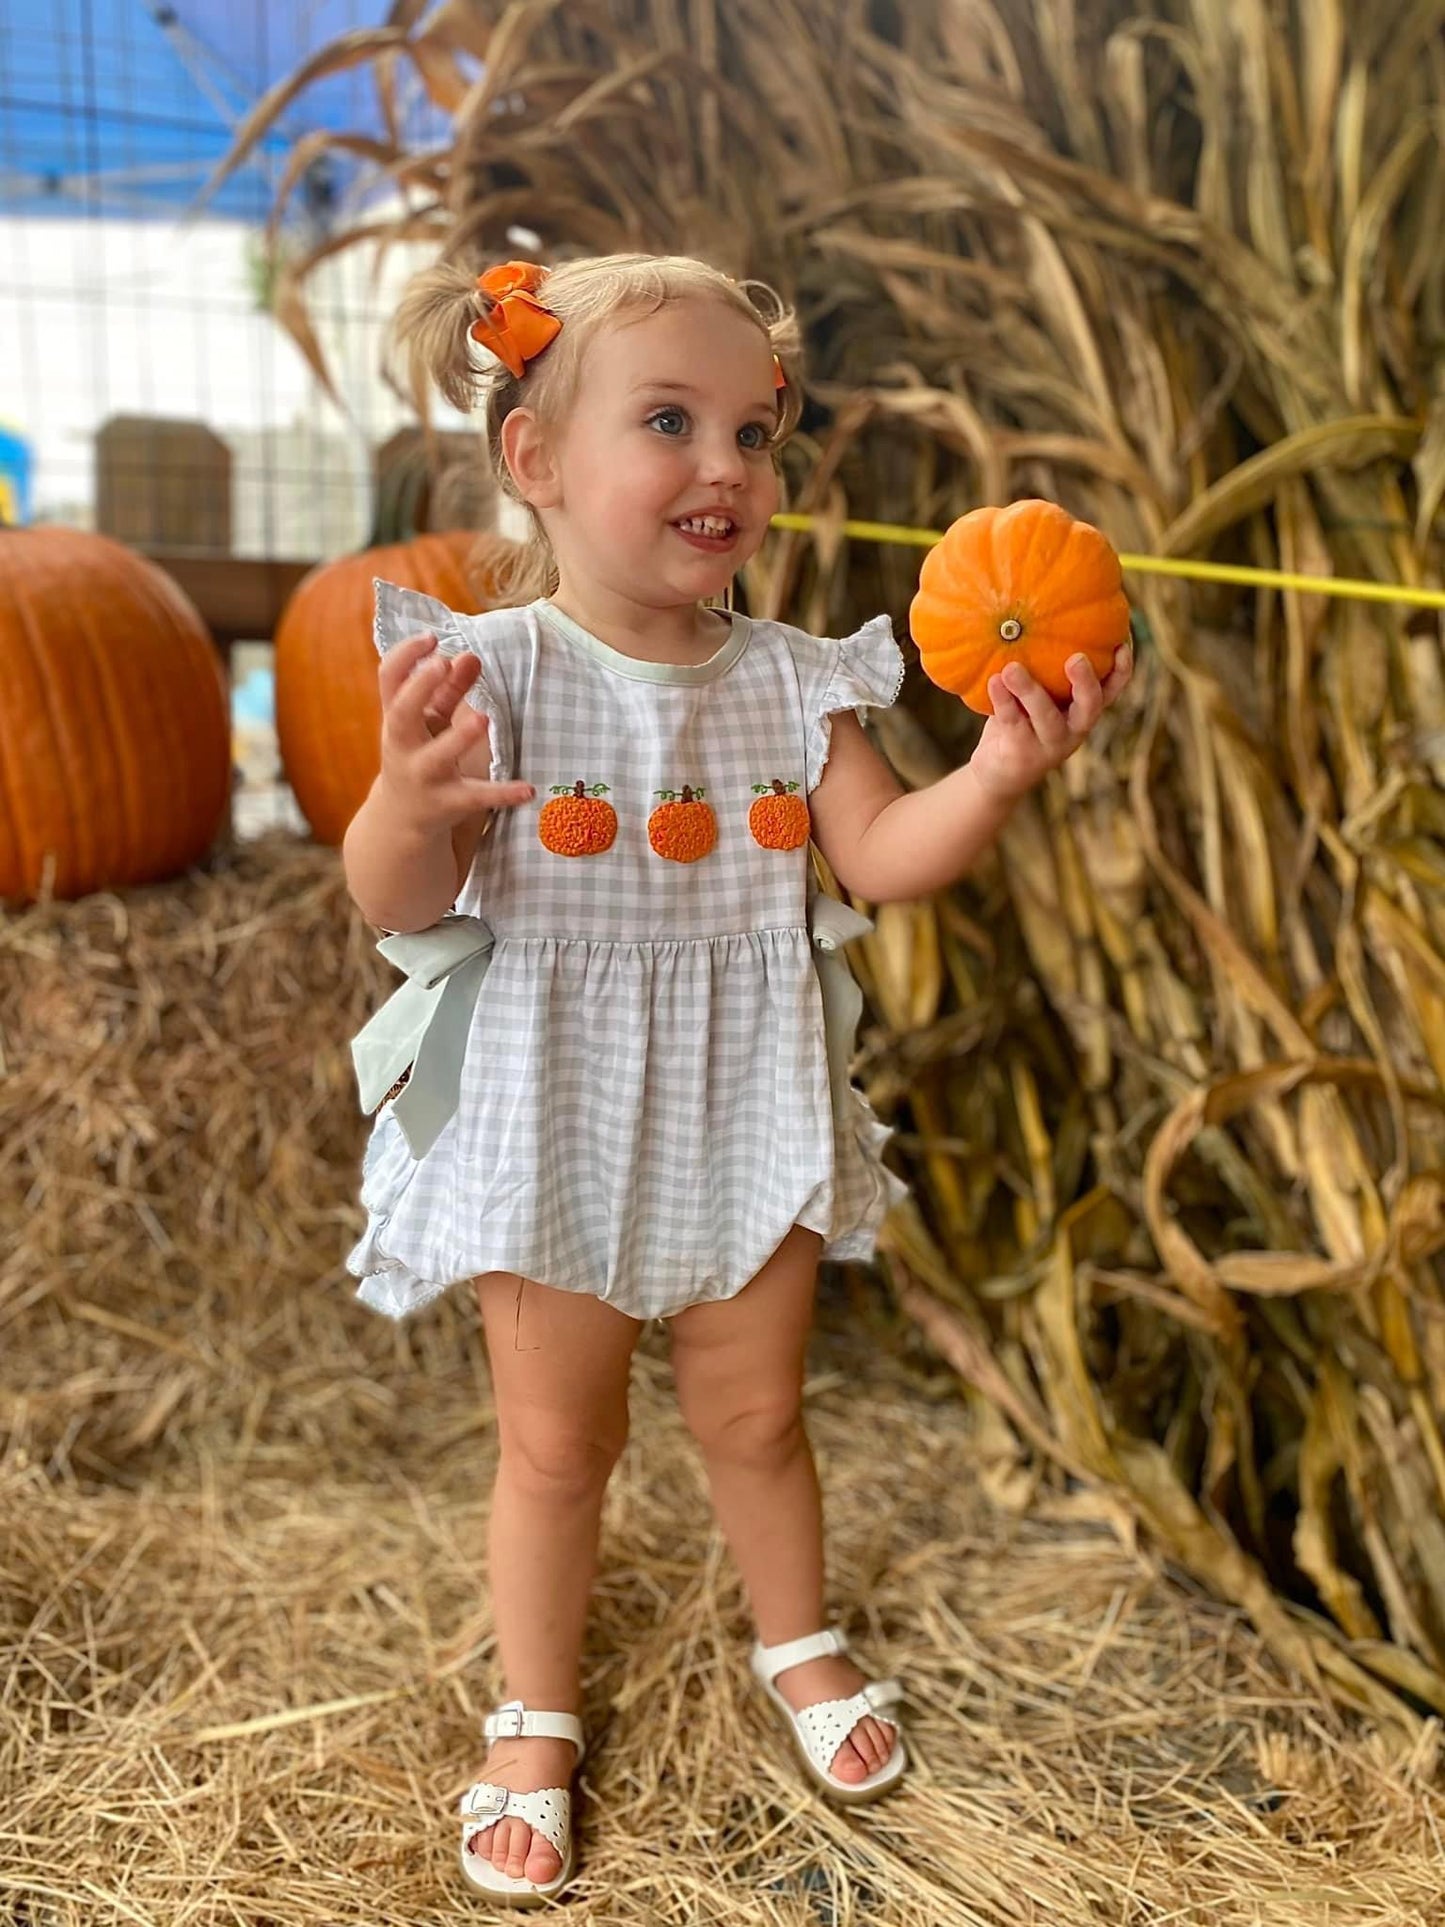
615	1085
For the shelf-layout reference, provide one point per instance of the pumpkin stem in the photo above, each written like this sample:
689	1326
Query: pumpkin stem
1010	629
579	788
779	789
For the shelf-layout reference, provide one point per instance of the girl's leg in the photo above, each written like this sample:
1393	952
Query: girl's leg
739	1371
559	1365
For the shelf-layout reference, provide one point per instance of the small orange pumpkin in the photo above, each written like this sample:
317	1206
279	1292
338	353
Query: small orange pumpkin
1026	584
682	828
577	822
779	820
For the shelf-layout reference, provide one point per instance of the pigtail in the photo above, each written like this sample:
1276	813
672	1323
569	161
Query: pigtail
431	337
507	574
432	321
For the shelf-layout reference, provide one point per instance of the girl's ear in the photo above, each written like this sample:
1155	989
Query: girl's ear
530	460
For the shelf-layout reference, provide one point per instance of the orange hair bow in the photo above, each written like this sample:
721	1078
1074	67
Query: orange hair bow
516	327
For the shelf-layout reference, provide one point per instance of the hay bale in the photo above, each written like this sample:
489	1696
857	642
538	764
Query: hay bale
245	1646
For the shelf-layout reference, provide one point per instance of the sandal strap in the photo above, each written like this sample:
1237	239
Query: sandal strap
769	1661
825	1726
883	1693
514	1722
548	1812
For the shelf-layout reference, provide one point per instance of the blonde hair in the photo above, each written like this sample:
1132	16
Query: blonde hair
440	304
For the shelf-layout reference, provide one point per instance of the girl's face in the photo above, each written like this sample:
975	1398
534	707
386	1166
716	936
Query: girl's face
659	483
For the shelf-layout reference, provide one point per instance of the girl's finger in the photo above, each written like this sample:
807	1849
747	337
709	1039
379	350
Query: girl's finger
461	733
1005	709
397	664
470	795
1042	711
405	715
462	672
1088	704
1121	675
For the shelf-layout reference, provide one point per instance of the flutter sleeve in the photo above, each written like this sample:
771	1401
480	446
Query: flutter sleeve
862	671
402	613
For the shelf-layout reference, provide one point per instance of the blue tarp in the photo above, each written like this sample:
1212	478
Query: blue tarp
124	107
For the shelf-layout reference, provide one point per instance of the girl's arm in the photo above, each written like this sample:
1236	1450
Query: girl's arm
885	844
402	876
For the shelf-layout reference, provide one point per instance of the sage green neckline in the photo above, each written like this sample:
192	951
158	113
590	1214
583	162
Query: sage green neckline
639	670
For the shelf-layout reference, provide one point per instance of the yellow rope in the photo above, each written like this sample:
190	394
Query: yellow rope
1166	565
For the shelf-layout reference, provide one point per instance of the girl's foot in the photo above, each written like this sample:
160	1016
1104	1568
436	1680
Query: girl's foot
869	1746
526	1766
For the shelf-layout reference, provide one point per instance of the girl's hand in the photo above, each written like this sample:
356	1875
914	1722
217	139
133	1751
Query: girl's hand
435	748
1029	733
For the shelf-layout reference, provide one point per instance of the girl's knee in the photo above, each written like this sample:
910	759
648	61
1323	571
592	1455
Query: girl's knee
756	1432
557	1459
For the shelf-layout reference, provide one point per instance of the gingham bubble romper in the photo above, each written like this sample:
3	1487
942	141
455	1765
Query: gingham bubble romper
637	1100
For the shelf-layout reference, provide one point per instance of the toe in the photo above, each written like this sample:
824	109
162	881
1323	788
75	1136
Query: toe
866	1751
510	1854
544	1863
849	1764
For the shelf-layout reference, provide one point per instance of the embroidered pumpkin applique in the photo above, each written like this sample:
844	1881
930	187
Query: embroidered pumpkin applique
682	827
577	822
779	820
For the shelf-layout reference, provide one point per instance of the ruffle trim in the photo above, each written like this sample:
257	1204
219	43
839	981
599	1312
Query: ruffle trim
867	673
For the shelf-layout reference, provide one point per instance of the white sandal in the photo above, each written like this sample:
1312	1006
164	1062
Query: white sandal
818	1731
548	1812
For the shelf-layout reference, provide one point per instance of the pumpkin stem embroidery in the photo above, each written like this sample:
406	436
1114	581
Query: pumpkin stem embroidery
682	827
779	820
577	822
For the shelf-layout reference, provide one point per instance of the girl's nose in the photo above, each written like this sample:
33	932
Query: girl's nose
722	464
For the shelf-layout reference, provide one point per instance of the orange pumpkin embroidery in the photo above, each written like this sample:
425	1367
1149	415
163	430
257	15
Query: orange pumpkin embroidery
577	822
779	820
682	827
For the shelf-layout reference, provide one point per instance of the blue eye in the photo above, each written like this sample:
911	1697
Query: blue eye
668	421
753	438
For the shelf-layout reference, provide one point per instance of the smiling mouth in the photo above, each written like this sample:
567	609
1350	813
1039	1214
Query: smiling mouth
717	528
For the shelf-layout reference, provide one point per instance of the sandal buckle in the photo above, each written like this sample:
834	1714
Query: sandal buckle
484	1801
508	1722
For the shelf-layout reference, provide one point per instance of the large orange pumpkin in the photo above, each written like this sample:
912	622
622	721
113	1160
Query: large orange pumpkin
1024	584
328	709
115	743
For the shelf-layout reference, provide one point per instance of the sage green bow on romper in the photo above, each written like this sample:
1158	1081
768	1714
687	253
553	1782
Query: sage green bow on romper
422	1027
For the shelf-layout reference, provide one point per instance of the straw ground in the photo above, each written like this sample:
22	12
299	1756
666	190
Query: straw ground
246	1644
